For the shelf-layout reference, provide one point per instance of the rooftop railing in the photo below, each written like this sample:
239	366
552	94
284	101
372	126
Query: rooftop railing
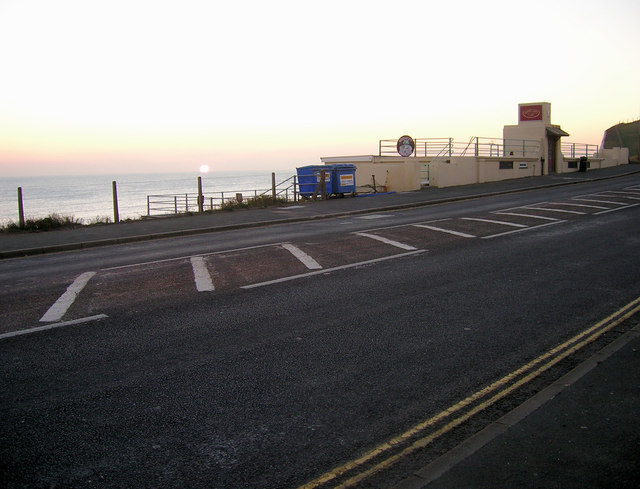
477	146
576	150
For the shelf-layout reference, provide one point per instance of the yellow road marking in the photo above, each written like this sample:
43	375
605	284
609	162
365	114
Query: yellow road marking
622	314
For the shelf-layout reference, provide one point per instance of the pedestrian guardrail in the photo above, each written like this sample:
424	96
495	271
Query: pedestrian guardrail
167	204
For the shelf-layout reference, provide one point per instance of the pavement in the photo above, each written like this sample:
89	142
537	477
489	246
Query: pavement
581	431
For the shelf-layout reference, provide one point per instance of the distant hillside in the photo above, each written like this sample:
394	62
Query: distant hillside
624	135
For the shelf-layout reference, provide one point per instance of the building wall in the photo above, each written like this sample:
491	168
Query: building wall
466	170
393	174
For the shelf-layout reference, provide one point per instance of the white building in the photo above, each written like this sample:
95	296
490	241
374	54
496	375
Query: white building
532	147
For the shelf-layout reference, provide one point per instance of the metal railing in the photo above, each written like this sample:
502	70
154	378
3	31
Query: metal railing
424	147
166	204
505	148
440	148
576	150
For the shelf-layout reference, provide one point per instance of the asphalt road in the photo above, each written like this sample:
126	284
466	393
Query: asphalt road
283	353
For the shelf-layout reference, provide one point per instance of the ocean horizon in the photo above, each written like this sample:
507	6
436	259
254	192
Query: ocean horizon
90	197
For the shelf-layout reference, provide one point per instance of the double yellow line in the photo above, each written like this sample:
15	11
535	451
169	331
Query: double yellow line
499	389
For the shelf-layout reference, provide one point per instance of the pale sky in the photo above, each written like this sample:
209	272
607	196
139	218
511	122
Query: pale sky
92	86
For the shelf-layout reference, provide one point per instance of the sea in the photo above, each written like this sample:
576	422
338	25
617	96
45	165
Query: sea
90	197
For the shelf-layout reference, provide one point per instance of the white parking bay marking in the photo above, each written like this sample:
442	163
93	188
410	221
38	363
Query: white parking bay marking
549	209
46	327
493	221
201	274
518	214
388	241
443	230
307	260
599	201
63	304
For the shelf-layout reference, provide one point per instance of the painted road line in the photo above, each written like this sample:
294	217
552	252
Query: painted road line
623	194
598	201
443	230
391	242
328	270
512	224
501	387
63	304
616	209
52	326
307	260
530	228
578	205
518	214
374	216
201	274
555	210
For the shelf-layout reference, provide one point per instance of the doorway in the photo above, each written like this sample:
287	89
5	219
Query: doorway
551	156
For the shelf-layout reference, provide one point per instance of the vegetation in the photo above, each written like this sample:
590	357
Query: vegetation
49	223
261	201
625	135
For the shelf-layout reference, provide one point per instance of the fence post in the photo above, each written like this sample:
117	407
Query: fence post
200	196
175	204
116	214
295	188
148	206
20	208
450	144
273	185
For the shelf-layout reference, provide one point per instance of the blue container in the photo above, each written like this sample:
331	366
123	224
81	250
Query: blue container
344	179
309	178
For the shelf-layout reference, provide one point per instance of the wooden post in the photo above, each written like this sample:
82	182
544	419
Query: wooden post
295	188
200	196
116	214
273	186
20	208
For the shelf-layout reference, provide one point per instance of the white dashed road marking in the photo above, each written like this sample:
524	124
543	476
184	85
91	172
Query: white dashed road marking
443	230
201	274
391	242
307	260
598	201
555	210
518	214
61	306
52	326
512	224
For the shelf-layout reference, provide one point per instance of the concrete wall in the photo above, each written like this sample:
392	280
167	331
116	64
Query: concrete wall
466	170
391	174
614	156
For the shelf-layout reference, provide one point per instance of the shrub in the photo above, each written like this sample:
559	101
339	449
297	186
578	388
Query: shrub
252	203
53	221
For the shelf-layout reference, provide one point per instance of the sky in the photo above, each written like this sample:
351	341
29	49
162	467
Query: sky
146	86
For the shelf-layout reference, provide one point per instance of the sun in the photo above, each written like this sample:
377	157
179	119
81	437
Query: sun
204	168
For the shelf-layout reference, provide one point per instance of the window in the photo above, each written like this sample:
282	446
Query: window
506	165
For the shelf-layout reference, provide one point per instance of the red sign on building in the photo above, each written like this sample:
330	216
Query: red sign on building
530	113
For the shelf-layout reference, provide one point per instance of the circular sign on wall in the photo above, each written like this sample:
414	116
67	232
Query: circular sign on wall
406	146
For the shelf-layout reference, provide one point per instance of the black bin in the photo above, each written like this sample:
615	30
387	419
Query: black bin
584	163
